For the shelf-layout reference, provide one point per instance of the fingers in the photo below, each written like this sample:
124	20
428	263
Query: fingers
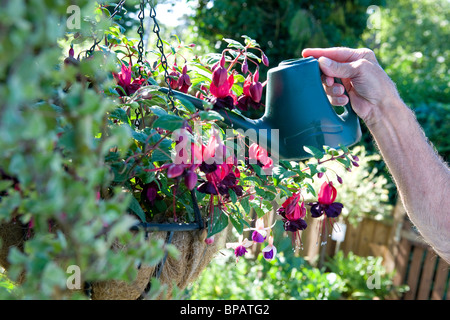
337	54
335	94
336	69
340	54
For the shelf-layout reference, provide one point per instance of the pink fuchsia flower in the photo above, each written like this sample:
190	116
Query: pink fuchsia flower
293	213
261	156
123	79
174	76
220	181
240	248
220	73
220	89
184	81
252	93
325	204
270	251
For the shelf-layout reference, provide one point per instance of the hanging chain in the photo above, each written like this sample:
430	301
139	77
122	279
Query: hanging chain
140	31
160	46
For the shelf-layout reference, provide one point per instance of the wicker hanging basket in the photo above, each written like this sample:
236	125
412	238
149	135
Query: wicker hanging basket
194	256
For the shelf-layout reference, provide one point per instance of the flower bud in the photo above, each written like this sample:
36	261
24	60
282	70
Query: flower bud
244	66
320	175
209	240
219	76
356	164
355	158
175	171
190	180
256	91
256	76
265	60
222	61
339	179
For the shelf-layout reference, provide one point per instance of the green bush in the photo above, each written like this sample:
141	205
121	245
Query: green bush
408	40
283	278
364	277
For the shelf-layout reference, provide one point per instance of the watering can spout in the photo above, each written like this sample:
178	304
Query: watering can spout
298	113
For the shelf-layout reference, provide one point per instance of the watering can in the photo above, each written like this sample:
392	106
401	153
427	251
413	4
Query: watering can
298	113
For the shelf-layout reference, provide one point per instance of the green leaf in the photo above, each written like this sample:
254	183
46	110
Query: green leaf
314	151
245	205
233	43
233	196
169	122
219	222
237	224
189	106
136	208
210	115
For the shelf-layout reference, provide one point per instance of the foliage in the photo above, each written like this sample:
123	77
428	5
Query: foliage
415	57
52	167
360	272
287	277
285	28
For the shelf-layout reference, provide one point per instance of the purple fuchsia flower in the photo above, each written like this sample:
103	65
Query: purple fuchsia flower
270	251
325	204
259	234
150	193
240	248
293	213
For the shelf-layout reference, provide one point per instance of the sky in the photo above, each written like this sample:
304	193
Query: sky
169	14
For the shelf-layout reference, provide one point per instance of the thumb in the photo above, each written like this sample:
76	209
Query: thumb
337	69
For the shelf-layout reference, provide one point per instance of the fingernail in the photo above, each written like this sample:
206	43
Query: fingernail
325	61
342	100
337	90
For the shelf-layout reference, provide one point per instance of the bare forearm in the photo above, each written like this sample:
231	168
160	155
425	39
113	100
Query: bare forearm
422	178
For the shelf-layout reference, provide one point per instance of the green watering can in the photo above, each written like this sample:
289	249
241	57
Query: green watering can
298	113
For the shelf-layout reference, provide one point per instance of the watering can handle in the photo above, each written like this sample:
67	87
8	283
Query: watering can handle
349	114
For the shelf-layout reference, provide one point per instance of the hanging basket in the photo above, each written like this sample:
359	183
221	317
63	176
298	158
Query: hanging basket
194	256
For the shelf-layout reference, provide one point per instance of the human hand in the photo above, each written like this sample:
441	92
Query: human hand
368	86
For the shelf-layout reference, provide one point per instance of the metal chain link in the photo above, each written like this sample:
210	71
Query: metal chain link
140	31
160	46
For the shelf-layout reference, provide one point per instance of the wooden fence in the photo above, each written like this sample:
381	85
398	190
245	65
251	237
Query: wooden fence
402	249
415	263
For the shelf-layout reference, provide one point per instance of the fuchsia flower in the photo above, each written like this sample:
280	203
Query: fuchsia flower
184	81
252	93
221	180
180	81
150	193
259	234
293	213
325	203
240	248
270	251
261	156
220	87
123	79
